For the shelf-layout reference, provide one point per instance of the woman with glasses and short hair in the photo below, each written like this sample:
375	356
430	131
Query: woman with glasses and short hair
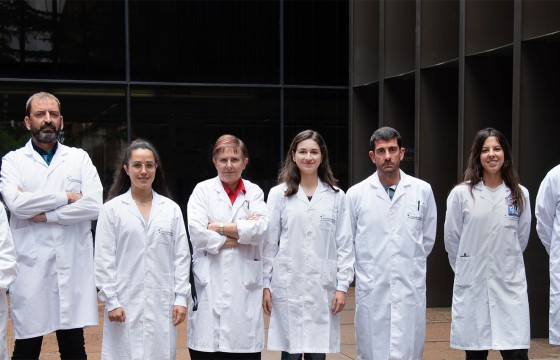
227	218
142	260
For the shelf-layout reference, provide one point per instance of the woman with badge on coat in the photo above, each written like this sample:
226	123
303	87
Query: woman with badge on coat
308	254
486	230
226	219
142	260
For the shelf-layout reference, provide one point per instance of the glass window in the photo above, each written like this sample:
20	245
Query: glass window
62	39
183	123
205	41
94	120
325	111
316	41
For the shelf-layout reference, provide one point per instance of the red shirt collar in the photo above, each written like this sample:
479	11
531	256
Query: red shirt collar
234	193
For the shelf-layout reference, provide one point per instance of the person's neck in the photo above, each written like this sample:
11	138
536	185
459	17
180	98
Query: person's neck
44	146
390	180
142	196
492	181
309	183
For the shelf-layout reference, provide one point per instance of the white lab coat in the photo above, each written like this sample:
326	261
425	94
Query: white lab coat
308	255
143	267
392	241
547	211
485	241
8	273
228	282
55	287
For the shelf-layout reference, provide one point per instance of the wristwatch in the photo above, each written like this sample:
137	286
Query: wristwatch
221	229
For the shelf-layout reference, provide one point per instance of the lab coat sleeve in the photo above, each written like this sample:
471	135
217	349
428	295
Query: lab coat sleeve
251	231
453	226
545	209
182	260
8	267
87	208
344	244
105	259
429	226
524	229
25	204
202	239
272	235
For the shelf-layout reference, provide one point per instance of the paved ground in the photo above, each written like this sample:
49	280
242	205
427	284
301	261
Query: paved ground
437	340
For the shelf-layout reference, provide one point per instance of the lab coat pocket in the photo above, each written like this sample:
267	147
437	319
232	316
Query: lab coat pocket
201	271
73	180
515	270
464	271
327	221
328	274
414	218
253	274
164	234
418	273
26	249
281	278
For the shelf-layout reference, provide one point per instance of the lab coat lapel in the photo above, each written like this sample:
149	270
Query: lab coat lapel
222	195
319	193
58	158
131	206
29	151
300	195
157	205
379	189
404	185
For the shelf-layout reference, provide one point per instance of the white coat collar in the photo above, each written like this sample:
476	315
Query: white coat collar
319	193
158	202
404	184
480	187
218	186
58	158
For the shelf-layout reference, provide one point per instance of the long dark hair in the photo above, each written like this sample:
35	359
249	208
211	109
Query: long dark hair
121	181
289	173
474	171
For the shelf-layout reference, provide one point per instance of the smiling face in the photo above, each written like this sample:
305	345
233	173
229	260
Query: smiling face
230	165
44	121
141	169
308	156
491	156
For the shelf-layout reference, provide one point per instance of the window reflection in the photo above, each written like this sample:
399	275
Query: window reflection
62	39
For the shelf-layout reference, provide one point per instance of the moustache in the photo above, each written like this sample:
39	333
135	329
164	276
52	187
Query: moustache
48	127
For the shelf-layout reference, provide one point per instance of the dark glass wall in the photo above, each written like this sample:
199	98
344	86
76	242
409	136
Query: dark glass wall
180	73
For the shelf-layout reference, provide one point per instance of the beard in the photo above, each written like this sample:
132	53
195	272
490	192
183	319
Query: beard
46	137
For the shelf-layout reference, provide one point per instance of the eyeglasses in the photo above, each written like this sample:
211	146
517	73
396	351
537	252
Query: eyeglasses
150	166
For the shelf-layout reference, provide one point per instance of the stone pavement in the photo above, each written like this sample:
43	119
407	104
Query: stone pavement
437	340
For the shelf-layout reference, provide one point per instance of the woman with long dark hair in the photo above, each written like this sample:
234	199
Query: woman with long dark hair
487	227
308	254
142	260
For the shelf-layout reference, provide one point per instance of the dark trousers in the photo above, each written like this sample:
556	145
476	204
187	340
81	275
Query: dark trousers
71	346
202	355
308	356
518	354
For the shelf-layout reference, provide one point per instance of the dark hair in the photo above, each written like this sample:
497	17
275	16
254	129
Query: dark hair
229	141
474	171
385	133
289	173
40	95
121	181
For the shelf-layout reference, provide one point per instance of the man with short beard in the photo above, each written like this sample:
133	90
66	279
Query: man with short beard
394	224
53	193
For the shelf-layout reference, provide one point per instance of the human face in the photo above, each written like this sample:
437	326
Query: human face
491	156
230	166
308	156
387	157
44	120
141	169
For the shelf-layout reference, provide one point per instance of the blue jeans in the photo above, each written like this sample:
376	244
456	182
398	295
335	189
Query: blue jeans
308	356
